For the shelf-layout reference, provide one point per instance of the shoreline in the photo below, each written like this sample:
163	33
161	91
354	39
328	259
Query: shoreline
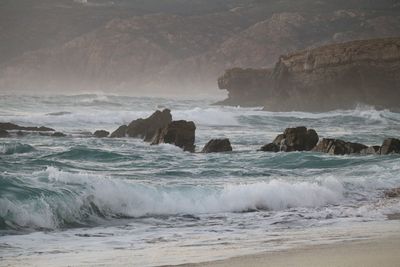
378	251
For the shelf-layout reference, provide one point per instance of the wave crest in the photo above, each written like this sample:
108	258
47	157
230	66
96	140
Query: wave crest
84	198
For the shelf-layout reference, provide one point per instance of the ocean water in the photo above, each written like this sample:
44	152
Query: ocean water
79	200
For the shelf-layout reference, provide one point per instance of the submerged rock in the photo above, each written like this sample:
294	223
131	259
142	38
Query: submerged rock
120	132
338	147
101	133
147	128
390	145
293	139
58	134
180	133
4	133
217	145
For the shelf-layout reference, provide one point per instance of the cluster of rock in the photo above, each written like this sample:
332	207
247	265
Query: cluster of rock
160	128
156	129
303	139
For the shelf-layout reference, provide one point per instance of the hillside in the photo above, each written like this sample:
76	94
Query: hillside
145	47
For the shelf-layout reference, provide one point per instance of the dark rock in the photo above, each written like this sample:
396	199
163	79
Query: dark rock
147	128
217	145
120	132
4	133
101	133
58	134
298	139
338	147
293	139
271	147
392	193
372	150
180	133
390	145
11	126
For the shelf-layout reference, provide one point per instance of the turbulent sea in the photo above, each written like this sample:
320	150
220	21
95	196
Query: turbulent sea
79	200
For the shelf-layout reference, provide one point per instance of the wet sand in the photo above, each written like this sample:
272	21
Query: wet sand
382	252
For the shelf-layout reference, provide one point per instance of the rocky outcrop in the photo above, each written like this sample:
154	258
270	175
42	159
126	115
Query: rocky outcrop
324	78
217	145
180	133
120	132
293	139
11	126
147	128
4	133
144	128
338	147
101	133
390	145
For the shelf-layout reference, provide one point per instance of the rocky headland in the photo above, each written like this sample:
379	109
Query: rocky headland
337	76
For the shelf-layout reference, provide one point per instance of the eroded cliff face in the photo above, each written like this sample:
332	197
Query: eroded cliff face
324	78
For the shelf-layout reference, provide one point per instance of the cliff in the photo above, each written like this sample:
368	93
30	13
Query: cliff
330	77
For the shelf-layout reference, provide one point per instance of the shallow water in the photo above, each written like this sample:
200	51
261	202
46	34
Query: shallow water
82	195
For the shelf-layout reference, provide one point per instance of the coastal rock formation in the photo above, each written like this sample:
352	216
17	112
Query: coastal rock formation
120	132
338	147
390	145
324	78
217	145
4	133
180	133
101	133
11	126
293	139
147	128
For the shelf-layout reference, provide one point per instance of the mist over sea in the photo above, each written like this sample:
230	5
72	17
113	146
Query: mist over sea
98	199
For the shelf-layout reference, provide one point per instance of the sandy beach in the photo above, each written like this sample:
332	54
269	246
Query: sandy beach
383	252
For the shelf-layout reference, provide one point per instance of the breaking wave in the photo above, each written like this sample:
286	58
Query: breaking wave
58	199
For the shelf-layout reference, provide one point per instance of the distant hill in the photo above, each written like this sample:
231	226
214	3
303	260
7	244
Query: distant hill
149	46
